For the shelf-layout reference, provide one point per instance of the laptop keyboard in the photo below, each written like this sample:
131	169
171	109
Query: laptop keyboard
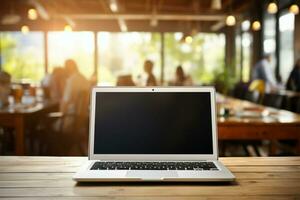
199	166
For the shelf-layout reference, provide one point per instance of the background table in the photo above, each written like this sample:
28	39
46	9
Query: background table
276	125
22	118
51	178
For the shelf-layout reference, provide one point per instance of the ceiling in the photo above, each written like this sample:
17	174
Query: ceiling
138	15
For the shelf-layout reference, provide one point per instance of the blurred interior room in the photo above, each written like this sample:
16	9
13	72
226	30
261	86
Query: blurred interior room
53	52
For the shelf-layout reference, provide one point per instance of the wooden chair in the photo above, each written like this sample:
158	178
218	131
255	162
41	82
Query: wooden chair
59	140
297	107
239	90
253	96
273	100
125	80
7	138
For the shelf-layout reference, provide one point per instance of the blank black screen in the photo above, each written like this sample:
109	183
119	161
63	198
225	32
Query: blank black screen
153	123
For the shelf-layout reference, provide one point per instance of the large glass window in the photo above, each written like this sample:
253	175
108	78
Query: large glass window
75	45
22	55
286	53
124	54
202	56
269	34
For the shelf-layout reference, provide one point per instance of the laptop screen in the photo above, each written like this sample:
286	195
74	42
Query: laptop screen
153	123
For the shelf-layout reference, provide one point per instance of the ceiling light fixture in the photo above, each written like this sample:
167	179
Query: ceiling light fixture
245	25
272	7
32	14
25	29
188	39
68	28
256	26
294	8
113	6
230	20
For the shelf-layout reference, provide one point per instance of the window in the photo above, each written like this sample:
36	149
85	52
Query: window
75	45
201	57
269	38
124	54
286	53
269	34
22	55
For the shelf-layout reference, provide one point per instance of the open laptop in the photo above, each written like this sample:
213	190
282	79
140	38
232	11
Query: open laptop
153	134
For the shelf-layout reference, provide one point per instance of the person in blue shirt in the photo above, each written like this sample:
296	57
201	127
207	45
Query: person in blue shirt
263	71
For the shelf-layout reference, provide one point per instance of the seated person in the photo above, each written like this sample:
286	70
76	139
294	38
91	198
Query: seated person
293	82
5	83
263	71
57	84
148	68
181	79
76	84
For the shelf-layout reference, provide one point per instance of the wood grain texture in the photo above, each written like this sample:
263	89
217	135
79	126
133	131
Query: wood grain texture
51	178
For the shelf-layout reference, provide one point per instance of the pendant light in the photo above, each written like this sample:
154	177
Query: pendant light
256	26
272	7
25	29
294	8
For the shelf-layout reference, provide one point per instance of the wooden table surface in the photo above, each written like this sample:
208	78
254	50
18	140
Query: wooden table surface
21	117
242	111
250	121
51	178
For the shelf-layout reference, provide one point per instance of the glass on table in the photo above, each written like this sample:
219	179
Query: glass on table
223	111
17	93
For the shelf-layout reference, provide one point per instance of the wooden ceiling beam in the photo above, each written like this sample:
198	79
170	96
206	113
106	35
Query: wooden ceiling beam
163	17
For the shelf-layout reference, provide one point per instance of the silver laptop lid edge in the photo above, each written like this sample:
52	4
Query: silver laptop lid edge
149	157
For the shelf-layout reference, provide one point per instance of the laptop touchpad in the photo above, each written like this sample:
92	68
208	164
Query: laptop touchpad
145	174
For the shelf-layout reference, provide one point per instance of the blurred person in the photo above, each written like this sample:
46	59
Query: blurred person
148	68
293	82
76	84
57	84
5	88
125	80
46	80
45	84
93	80
181	79
263	71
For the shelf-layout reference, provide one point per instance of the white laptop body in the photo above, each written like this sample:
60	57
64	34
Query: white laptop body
164	126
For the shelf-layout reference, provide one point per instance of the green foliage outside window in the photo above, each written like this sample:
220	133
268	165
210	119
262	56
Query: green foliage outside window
23	62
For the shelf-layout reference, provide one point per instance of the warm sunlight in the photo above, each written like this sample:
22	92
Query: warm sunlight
76	45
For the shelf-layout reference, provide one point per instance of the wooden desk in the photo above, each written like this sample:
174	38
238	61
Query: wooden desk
274	125
22	117
51	178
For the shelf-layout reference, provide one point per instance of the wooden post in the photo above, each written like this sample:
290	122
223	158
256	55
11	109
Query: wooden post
46	51
162	57
297	37
1	58
230	50
96	55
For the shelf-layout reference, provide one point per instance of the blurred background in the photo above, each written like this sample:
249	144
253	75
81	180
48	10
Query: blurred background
53	52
